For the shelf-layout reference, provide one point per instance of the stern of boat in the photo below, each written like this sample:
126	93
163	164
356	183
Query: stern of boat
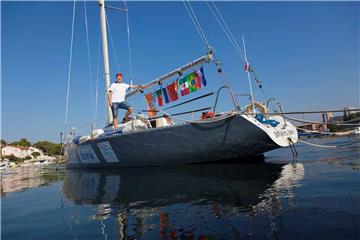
284	134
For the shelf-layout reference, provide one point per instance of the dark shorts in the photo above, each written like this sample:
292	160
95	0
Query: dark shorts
115	106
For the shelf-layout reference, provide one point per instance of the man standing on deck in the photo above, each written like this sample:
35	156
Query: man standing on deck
116	99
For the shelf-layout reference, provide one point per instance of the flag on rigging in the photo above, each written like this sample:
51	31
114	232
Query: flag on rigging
154	97
159	97
150	105
184	86
258	82
172	91
247	67
193	81
166	97
201	74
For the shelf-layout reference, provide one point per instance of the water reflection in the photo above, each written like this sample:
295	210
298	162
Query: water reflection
185	202
24	177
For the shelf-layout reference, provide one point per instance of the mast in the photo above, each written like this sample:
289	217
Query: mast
106	57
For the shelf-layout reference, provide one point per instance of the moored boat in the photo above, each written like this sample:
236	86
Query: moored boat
242	131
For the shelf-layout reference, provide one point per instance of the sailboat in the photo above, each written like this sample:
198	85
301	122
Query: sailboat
240	132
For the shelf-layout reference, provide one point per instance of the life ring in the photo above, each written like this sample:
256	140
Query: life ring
261	107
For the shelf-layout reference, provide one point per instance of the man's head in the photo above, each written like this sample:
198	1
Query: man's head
118	77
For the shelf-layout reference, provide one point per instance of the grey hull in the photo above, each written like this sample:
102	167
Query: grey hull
230	138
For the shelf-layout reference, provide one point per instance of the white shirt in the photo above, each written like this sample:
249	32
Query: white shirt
118	91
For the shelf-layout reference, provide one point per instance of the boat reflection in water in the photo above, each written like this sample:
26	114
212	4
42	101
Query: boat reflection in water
183	201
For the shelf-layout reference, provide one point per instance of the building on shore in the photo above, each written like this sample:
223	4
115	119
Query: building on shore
326	116
348	111
314	127
20	152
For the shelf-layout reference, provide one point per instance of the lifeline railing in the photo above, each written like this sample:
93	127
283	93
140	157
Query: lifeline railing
279	108
197	98
231	95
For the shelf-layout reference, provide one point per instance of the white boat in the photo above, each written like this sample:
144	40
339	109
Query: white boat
357	131
4	164
41	162
234	134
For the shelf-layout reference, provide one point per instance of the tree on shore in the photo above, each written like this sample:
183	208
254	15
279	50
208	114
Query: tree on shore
35	154
3	143
22	143
48	148
14	159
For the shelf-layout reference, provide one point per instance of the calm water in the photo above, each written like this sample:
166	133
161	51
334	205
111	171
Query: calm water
316	198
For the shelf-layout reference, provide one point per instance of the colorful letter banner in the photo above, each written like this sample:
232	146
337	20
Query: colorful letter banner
188	84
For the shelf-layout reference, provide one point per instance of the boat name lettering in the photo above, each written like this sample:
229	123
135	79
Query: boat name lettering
283	133
87	156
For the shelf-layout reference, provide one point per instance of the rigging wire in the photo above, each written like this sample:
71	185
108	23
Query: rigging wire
112	44
197	24
88	55
129	48
69	69
226	30
224	26
129	42
196	19
97	81
258	82
248	74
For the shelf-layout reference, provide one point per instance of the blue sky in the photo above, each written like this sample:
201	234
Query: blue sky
305	53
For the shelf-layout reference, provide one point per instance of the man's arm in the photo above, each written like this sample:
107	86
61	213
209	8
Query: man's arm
110	98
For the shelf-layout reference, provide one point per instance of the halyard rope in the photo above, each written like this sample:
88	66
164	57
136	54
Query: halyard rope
69	69
89	56
112	44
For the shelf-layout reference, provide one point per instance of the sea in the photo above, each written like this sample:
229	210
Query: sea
315	195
